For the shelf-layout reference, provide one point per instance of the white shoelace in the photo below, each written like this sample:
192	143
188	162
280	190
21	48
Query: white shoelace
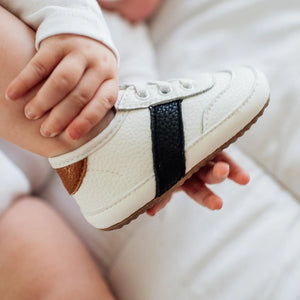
164	87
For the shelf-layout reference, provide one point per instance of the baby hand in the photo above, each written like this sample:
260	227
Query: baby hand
219	169
80	84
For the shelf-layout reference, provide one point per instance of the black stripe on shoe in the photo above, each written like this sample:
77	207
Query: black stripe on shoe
167	145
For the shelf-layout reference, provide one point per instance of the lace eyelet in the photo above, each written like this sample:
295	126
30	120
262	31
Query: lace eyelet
165	92
142	96
187	86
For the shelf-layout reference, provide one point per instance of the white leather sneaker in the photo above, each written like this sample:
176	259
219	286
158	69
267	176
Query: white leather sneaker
162	133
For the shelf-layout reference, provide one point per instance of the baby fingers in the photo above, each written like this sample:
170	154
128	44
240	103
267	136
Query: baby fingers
214	173
198	191
62	81
237	173
65	111
39	67
95	110
159	206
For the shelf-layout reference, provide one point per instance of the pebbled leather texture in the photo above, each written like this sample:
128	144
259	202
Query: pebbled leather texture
167	145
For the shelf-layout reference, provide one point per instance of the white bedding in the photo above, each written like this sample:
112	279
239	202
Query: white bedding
250	249
206	34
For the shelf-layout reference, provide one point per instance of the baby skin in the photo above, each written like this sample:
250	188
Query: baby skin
49	111
132	10
58	102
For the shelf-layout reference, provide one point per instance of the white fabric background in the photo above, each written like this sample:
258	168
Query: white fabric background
250	249
13	182
204	35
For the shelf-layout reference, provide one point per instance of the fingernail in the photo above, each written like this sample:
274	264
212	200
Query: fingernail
46	133
29	115
245	179
7	97
74	135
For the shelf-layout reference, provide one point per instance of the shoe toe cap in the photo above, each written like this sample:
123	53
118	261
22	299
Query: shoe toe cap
246	92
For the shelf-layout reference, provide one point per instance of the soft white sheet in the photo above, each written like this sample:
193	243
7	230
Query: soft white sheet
250	249
13	182
206	34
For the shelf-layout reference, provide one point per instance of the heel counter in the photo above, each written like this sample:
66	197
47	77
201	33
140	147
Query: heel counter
72	175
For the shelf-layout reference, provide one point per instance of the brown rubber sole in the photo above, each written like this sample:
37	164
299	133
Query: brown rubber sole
187	176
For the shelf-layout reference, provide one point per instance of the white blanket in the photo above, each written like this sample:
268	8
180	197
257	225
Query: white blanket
206	34
250	249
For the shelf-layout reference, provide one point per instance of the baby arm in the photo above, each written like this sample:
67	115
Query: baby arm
77	59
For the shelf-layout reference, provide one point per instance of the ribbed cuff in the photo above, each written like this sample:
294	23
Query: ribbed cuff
77	23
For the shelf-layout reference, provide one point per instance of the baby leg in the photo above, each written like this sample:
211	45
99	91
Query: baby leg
41	258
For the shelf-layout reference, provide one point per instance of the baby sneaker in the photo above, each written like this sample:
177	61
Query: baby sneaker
161	134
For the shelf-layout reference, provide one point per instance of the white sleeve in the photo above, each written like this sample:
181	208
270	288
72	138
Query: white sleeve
13	182
52	17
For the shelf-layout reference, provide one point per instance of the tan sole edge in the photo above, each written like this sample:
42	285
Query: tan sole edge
187	176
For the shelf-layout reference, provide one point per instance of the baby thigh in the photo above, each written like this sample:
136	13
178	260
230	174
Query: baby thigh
41	258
